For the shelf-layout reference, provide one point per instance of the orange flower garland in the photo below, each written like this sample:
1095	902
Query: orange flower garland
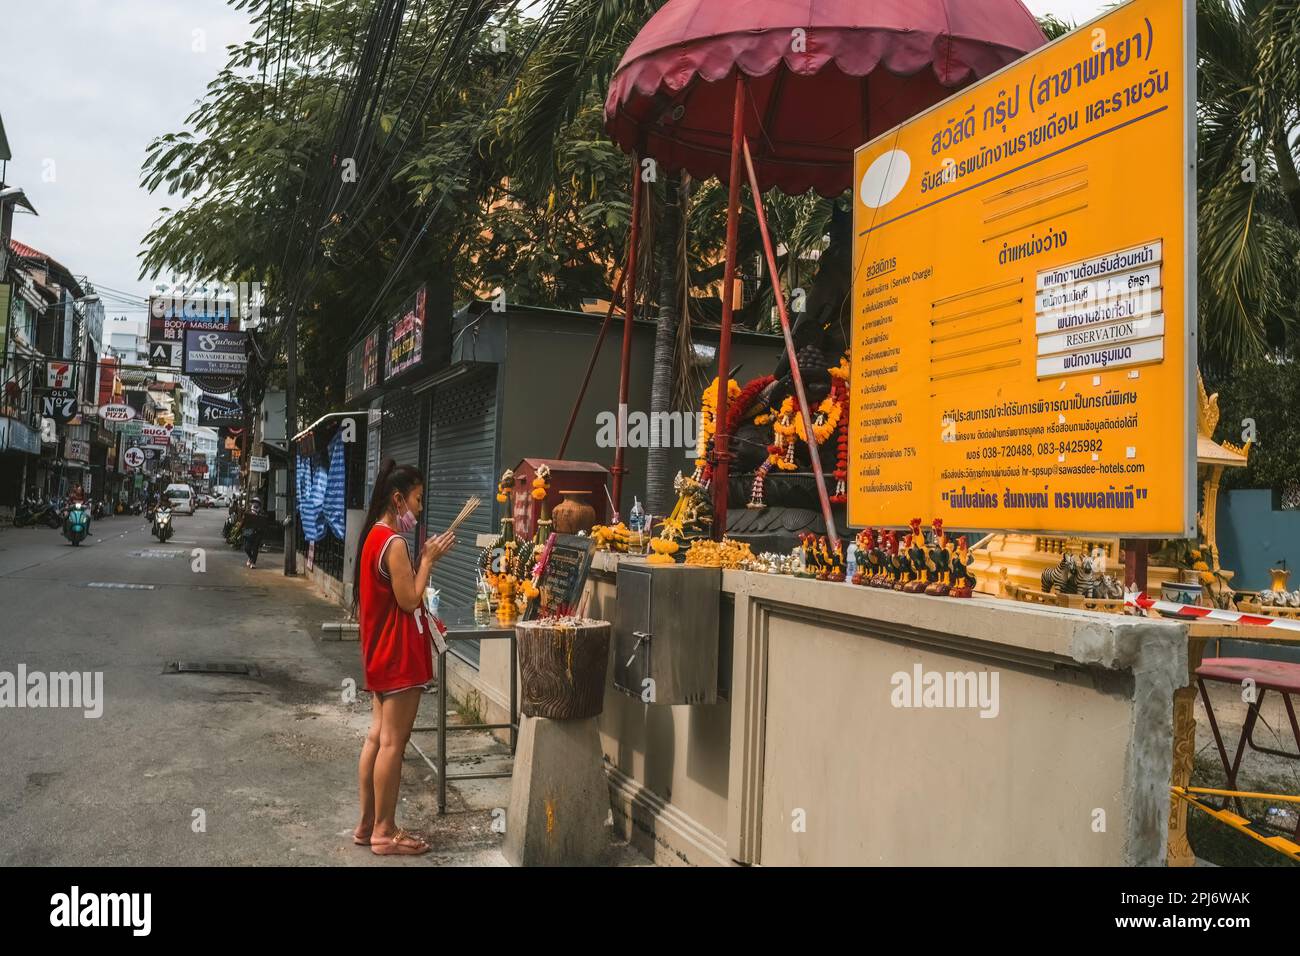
709	422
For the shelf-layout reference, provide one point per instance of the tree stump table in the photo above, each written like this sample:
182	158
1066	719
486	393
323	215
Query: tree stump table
559	800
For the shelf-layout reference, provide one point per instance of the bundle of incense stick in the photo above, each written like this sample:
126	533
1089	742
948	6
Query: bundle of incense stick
470	506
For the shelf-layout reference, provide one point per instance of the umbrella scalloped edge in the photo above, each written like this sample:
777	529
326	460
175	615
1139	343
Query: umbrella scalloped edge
854	51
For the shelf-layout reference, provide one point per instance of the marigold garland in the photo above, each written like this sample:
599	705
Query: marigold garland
708	422
840	392
738	403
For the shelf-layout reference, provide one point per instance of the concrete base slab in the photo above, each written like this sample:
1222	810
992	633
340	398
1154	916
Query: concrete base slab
559	800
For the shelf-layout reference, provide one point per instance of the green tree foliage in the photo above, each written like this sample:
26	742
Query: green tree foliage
433	139
1249	195
1261	398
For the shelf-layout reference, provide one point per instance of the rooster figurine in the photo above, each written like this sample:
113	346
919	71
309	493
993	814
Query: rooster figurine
866	542
916	581
833	555
936	562
963	582
888	561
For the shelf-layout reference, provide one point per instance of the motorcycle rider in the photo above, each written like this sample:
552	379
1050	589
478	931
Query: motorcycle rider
76	496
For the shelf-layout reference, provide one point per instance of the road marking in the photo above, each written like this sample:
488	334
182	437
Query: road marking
114	584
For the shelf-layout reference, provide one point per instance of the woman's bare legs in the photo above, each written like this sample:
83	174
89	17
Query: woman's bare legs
398	717
366	771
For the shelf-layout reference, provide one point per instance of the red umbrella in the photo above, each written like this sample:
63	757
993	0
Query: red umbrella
805	82
858	68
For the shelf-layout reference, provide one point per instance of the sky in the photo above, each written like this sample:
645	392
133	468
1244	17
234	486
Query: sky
86	84
1073	11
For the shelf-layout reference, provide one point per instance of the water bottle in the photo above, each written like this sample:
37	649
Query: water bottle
482	604
636	519
851	564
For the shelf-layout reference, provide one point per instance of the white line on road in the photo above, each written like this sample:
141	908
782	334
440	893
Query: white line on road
114	584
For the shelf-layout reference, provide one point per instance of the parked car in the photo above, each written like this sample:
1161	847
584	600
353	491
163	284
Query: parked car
181	498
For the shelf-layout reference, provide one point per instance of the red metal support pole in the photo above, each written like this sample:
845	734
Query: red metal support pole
799	392
591	365
721	440
629	308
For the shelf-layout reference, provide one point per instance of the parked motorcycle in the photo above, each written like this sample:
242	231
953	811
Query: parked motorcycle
77	523
162	524
97	510
32	511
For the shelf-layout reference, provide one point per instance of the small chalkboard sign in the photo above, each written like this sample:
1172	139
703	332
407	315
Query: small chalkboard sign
563	577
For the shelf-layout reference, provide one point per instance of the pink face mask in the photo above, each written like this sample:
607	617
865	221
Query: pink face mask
406	522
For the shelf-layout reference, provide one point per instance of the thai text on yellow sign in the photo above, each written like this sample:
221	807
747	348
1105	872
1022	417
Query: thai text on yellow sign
1023	311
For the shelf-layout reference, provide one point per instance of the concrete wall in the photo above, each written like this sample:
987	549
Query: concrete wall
546	356
1254	535
806	759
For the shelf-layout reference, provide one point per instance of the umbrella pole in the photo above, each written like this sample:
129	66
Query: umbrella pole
721	440
629	309
800	395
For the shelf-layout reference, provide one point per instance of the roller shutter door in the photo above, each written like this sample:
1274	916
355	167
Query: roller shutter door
462	462
400	439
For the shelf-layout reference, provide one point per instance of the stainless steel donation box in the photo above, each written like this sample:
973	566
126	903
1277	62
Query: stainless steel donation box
666	633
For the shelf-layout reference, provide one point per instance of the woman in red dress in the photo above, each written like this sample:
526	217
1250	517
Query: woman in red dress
395	648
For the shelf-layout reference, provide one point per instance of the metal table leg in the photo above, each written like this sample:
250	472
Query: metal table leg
514	693
442	733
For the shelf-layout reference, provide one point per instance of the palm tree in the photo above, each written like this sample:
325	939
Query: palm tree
572	67
1249	190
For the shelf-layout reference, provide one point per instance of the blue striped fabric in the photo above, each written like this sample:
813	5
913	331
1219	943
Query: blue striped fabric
311	493
334	501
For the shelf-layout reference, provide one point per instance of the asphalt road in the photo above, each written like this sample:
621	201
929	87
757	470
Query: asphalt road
188	769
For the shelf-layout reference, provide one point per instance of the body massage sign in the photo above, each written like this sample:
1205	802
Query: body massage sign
1022	352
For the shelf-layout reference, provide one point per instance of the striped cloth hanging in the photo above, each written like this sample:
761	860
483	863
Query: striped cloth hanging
311	494
334	500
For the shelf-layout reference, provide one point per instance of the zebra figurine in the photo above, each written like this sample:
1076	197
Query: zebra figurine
1088	582
1062	577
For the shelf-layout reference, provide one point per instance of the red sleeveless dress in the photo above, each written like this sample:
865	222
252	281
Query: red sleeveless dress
395	649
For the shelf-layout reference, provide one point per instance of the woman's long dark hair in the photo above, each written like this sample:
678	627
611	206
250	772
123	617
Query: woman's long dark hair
392	477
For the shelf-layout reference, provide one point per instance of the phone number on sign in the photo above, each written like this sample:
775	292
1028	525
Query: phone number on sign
1028	450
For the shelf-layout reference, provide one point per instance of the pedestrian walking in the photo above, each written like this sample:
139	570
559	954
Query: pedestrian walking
253	529
388	588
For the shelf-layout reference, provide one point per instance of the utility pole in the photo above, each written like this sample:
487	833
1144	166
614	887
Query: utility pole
291	429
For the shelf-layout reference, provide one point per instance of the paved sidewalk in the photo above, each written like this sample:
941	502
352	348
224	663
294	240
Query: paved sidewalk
267	762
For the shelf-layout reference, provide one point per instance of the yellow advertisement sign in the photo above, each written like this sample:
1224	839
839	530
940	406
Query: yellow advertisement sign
1023	351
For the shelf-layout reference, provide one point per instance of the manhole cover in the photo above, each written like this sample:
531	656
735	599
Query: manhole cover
228	668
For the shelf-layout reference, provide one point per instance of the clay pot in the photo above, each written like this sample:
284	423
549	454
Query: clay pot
573	514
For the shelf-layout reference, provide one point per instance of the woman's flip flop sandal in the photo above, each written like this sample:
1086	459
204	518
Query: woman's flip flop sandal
401	844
